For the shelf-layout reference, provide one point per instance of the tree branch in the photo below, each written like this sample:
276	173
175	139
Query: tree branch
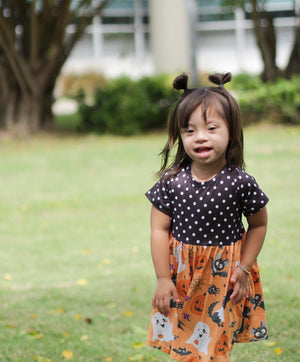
33	34
61	53
15	59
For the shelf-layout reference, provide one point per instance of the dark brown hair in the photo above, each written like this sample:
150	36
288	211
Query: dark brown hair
208	97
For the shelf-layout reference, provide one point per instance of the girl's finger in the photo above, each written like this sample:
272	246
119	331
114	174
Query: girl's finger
175	296
153	302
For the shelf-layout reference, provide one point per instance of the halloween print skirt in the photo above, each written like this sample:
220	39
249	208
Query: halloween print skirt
205	324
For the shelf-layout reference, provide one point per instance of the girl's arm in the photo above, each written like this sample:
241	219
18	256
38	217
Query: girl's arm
160	250
257	228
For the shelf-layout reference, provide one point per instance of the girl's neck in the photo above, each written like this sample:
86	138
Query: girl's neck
203	174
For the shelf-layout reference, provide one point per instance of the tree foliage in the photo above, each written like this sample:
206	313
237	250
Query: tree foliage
36	38
265	35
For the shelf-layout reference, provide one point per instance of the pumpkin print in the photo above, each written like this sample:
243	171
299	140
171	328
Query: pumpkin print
201	261
221	347
255	277
182	287
197	304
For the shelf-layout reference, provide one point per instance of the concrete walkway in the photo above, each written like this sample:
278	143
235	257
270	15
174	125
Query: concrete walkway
65	106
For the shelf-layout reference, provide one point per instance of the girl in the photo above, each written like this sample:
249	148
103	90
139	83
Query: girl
208	294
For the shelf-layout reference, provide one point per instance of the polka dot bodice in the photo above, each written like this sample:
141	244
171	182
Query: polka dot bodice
208	213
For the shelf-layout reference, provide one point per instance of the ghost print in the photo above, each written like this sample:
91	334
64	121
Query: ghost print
200	337
162	328
177	254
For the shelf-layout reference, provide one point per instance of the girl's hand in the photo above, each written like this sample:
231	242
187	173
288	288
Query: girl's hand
239	280
165	289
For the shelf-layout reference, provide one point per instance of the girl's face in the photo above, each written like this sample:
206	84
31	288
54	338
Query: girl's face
205	142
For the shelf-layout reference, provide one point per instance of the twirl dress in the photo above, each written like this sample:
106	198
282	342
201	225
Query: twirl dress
206	241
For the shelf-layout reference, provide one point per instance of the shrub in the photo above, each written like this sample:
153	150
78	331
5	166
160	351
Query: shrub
128	107
276	102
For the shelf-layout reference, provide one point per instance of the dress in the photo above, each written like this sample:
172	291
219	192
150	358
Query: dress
206	241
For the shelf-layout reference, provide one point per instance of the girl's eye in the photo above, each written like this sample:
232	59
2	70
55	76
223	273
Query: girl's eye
188	130
211	128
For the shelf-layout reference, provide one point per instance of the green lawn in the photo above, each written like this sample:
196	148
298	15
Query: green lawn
76	273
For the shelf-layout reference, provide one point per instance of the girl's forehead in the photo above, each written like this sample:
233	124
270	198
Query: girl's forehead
207	113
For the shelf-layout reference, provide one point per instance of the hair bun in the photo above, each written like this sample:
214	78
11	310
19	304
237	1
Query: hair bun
220	79
181	82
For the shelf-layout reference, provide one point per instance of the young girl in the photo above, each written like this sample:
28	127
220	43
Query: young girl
208	294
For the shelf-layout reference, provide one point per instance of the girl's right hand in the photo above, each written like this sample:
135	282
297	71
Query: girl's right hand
165	289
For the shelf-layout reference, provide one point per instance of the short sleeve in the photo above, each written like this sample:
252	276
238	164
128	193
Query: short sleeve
252	198
159	196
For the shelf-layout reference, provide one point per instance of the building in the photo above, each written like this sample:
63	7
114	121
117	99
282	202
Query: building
123	40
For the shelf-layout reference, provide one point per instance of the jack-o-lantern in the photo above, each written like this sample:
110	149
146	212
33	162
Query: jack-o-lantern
201	262
221	347
182	287
197	304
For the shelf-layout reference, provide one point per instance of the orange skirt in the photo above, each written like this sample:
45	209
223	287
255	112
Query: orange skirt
205	324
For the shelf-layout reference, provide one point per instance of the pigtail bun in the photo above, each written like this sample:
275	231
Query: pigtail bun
181	82
220	79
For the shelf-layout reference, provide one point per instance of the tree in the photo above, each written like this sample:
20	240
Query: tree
265	35
34	45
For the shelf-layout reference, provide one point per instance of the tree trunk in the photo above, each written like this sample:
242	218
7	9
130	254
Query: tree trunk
34	45
293	66
266	41
26	115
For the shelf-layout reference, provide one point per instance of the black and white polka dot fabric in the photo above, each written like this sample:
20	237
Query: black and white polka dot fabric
208	213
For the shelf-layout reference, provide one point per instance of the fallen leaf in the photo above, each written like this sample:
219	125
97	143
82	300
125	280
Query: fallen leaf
138	345
135	249
37	336
137	357
108	359
85	337
59	310
41	359
32	316
32	332
24	207
272	344
88	320
106	261
298	351
278	351
7	277
86	251
82	282
77	317
68	354
10	326
128	313
66	334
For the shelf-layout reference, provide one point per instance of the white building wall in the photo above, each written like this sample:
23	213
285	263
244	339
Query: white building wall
219	46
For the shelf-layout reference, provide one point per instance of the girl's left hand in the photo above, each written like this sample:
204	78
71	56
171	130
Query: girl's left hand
239	280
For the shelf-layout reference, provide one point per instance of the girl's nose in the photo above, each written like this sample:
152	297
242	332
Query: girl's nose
201	135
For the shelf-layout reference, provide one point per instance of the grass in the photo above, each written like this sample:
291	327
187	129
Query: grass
76	273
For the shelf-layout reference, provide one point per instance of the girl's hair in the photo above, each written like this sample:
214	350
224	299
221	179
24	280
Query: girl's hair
217	98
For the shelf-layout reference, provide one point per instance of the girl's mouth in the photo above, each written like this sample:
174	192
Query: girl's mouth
202	150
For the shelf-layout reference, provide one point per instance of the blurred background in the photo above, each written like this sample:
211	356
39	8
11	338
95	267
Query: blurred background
68	50
142	37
